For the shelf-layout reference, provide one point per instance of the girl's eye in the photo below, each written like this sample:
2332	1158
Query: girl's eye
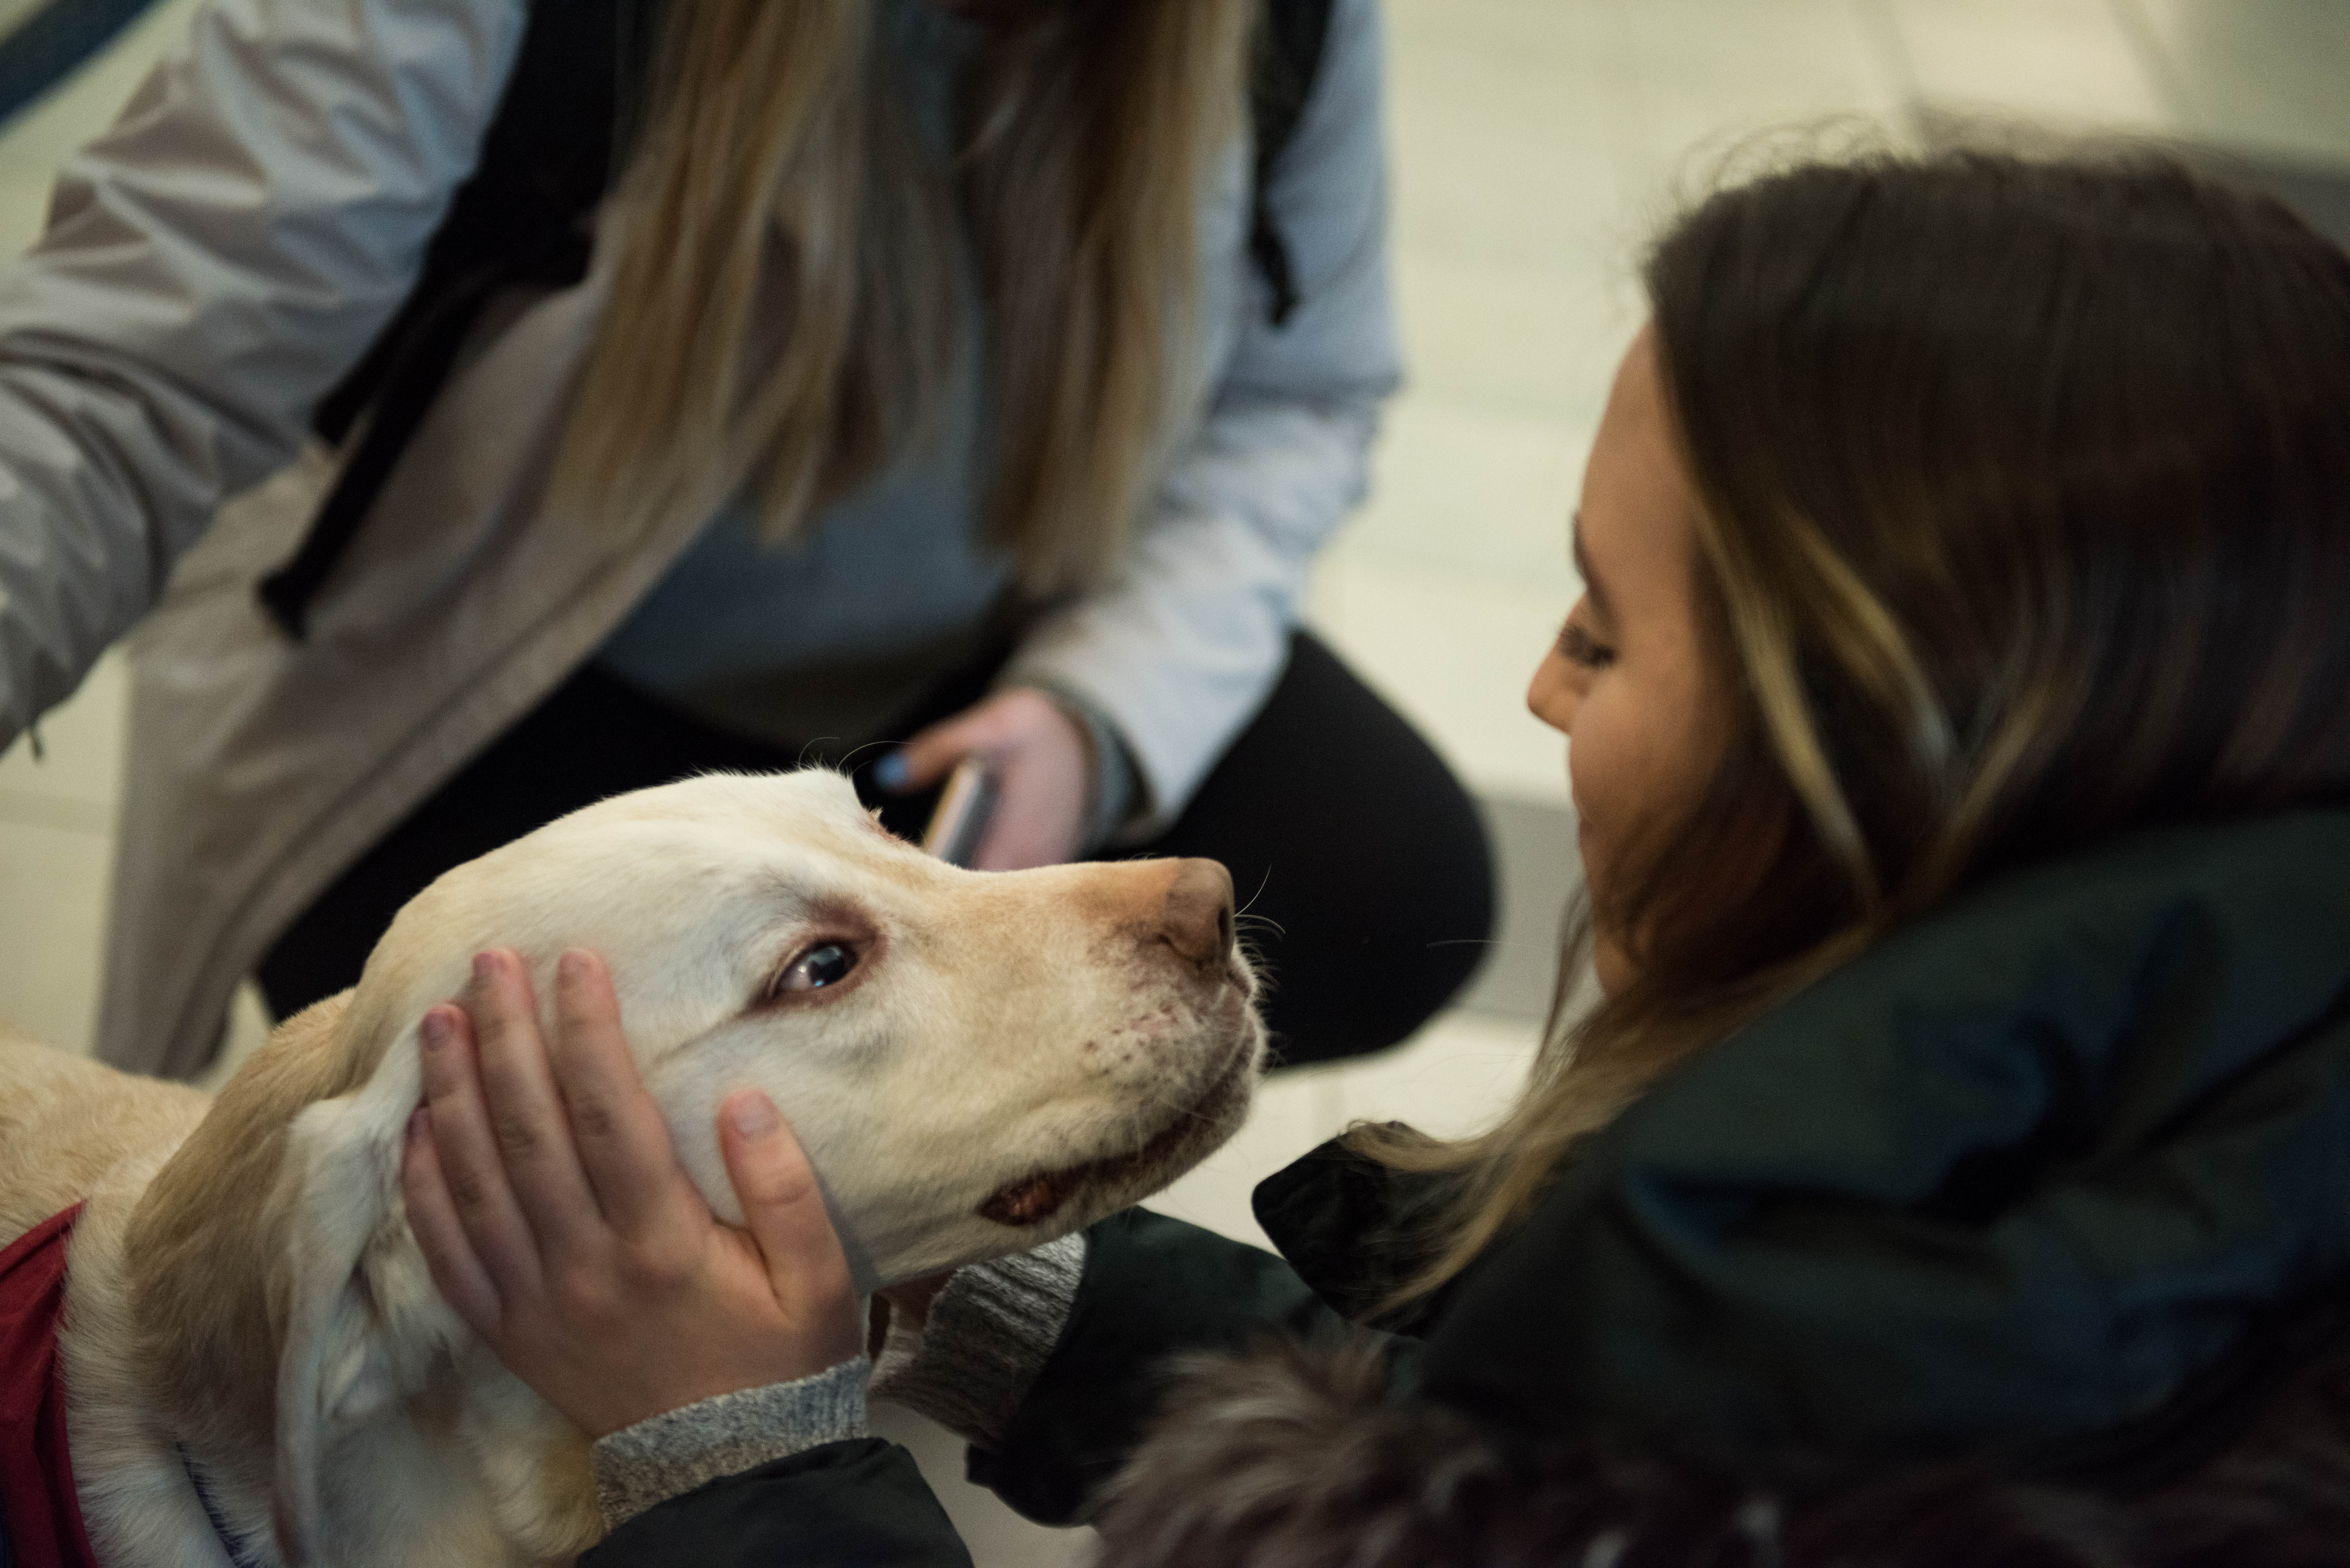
1577	647
815	969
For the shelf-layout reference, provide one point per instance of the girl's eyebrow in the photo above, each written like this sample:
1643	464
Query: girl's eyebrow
1591	588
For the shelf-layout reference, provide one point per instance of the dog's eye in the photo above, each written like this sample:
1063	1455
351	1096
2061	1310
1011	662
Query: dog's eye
815	969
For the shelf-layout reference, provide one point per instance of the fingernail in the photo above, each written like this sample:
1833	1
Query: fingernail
419	1124
572	965
434	1030
890	773
753	1115
485	965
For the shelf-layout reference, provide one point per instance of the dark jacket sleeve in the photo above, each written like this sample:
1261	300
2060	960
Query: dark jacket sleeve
861	1503
1154	1288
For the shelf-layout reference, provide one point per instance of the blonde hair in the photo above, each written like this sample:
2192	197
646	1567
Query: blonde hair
2017	477
783	307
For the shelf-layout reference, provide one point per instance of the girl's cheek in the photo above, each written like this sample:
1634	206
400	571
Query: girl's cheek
1602	765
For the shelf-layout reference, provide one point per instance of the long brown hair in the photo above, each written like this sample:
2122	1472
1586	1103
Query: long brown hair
2025	522
783	307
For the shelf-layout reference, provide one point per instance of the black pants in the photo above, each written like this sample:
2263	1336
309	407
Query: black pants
1339	826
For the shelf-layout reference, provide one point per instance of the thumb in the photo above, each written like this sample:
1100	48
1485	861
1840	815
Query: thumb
934	752
782	1204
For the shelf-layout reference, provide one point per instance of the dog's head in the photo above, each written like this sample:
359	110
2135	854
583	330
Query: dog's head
975	1063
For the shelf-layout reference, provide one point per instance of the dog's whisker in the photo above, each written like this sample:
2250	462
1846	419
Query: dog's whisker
1262	883
847	759
812	745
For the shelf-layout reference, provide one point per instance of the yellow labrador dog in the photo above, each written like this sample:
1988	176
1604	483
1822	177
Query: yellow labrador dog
974	1063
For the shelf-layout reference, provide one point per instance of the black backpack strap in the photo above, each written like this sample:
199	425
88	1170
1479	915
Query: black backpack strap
1281	79
410	378
45	44
522	219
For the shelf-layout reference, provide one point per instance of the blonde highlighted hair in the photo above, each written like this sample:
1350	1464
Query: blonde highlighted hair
784	307
2026	506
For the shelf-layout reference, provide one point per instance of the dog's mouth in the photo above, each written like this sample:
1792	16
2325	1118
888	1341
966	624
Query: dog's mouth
1034	1199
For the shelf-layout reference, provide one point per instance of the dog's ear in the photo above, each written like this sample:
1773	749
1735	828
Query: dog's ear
363	1327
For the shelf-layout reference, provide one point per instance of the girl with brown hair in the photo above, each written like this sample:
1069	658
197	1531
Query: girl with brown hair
926	381
1954	1172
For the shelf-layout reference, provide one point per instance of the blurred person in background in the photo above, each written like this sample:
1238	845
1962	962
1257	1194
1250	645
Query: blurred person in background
733	384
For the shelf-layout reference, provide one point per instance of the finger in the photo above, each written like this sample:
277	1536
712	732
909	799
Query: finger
930	755
782	1206
465	1155
526	1110
463	1284
623	1144
997	729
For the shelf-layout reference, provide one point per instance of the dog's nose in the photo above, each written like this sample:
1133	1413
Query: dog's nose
1197	918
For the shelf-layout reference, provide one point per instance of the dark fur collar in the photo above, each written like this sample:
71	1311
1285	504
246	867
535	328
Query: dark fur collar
1289	1458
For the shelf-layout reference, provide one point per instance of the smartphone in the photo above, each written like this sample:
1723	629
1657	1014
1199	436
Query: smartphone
961	819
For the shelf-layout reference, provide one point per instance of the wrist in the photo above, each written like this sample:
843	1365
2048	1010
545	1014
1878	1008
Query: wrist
986	1338
670	1454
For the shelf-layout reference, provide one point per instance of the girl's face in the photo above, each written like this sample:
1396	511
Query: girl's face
1627	682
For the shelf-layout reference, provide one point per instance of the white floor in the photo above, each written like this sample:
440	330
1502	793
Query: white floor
1535	142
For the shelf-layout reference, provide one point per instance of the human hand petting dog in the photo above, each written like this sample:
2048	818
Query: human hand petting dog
1043	767
551	1208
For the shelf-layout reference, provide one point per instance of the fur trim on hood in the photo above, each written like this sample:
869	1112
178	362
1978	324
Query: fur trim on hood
1290	1459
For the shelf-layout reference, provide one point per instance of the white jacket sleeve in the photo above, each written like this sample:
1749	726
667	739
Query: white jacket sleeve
1181	649
212	265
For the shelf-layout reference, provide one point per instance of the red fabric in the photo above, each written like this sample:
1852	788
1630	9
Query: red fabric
41	1510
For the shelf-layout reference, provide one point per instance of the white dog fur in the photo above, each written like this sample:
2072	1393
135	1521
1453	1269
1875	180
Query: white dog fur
243	1284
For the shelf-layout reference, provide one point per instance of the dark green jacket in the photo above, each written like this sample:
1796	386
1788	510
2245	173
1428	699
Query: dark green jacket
2053	1181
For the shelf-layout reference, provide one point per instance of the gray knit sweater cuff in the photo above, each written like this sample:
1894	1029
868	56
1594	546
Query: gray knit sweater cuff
668	1455
989	1335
